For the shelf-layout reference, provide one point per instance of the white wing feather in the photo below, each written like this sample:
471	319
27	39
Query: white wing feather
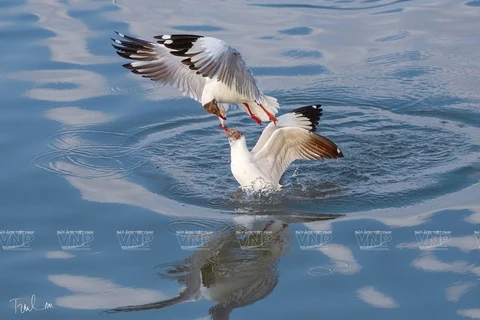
155	61
304	117
187	61
214	58
288	144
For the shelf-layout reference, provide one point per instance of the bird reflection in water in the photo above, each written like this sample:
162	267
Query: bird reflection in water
236	268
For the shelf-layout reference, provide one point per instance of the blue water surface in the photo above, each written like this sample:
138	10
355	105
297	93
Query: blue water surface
116	193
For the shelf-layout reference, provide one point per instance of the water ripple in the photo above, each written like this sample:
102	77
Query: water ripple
197	28
145	87
323	7
79	146
341	267
299	31
474	3
388	156
173	270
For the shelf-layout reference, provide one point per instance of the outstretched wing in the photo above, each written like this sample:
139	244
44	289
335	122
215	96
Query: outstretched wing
289	144
304	117
160	63
213	58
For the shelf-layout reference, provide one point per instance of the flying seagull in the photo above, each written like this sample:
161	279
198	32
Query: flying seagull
206	69
291	138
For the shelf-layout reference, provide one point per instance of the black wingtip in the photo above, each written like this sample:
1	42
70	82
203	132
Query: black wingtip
312	112
315	108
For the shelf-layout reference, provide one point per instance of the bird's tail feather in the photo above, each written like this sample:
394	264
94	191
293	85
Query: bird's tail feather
258	107
271	105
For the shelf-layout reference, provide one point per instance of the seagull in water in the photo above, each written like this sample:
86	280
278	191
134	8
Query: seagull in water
291	138
206	69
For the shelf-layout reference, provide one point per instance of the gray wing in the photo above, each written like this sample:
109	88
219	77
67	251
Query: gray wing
288	144
213	58
157	62
304	117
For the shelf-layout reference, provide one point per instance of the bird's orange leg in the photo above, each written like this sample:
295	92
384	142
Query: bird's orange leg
254	117
270	116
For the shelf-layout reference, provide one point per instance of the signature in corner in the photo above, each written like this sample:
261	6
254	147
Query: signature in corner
29	307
